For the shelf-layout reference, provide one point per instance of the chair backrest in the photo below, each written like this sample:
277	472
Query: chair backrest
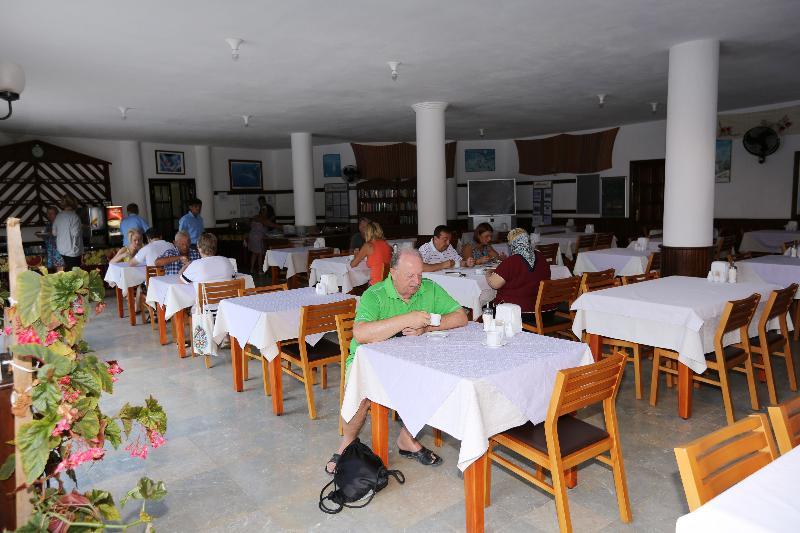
585	242
785	420
737	314
777	305
714	463
556	291
654	262
653	274
549	251
321	318
635	278
603	241
725	246
344	330
318	253
595	281
212	292
263	290
583	386
151	271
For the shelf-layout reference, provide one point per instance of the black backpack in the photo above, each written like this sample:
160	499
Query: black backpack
359	475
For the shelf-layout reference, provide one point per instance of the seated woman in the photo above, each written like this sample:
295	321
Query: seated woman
126	253
210	266
480	248
376	250
517	278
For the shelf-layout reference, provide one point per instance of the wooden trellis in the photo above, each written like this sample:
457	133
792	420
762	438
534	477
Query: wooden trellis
36	174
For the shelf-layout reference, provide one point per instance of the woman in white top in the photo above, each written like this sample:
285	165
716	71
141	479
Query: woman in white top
210	267
69	233
126	253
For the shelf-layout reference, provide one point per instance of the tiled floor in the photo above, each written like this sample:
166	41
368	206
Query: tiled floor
230	465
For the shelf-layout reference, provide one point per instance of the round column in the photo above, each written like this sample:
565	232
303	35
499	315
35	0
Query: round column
130	182
204	184
431	181
303	180
690	153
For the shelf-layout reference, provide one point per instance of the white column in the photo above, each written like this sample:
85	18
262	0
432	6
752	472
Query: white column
303	180
204	184
431	181
131	188
691	141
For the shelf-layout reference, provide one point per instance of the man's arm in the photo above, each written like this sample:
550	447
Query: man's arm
161	261
433	267
380	330
456	319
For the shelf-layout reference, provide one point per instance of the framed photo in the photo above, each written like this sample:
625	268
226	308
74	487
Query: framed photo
331	165
169	162
722	164
479	160
245	175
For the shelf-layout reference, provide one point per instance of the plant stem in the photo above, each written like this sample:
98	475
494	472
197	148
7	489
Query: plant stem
95	524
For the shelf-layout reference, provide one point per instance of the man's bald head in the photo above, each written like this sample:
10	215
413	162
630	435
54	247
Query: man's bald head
406	269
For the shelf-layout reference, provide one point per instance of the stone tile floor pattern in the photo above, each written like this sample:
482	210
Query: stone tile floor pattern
230	465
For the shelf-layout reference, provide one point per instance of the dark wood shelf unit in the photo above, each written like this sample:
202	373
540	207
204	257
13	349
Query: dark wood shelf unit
391	203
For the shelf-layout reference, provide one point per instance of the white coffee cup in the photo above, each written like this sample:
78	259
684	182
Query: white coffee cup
436	319
457	263
493	338
319	288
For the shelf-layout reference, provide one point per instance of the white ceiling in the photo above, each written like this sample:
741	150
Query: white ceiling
514	67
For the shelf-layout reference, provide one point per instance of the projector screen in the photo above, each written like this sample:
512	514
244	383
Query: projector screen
491	197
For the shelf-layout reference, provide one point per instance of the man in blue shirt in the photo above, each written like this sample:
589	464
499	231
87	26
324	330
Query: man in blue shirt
132	221
192	222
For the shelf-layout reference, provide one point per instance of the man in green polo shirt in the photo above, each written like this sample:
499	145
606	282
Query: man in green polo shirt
400	304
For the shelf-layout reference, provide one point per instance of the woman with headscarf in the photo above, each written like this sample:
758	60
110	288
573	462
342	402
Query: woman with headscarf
517	278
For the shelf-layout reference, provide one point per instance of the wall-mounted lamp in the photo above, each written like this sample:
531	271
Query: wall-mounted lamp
12	82
653	107
601	100
393	65
234	43
481	133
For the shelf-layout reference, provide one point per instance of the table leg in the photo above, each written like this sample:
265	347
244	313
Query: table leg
276	384
475	492
162	324
120	308
380	433
595	343
132	304
236	363
685	391
180	334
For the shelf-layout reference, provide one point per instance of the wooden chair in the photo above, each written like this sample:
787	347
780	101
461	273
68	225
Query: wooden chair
344	330
552	293
654	262
300	279
785	420
247	350
603	241
594	281
585	242
422	239
211	293
768	343
716	462
549	251
149	272
638	278
736	315
273	270
315	319
725	246
563	441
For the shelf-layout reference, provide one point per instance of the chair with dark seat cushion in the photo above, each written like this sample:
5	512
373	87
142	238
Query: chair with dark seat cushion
552	293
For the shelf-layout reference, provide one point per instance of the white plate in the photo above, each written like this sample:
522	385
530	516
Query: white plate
437	334
498	346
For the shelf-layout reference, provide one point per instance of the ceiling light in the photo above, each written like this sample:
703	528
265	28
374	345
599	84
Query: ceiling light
123	111
393	65
246	119
653	107
12	81
234	43
480	132
601	100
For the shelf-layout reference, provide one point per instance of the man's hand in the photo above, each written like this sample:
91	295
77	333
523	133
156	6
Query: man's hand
413	332
417	320
470	262
184	260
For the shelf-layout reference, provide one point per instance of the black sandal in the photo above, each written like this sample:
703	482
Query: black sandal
334	459
424	456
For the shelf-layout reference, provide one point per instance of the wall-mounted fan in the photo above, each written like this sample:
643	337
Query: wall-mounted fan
761	141
351	174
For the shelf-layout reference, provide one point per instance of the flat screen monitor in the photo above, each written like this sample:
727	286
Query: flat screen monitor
492	197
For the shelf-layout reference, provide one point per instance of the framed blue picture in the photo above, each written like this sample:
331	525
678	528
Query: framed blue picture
479	160
245	175
331	165
169	162
722	164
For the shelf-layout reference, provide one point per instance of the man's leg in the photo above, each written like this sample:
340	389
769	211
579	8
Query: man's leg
350	430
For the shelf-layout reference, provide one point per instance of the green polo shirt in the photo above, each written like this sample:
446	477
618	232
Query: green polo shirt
381	301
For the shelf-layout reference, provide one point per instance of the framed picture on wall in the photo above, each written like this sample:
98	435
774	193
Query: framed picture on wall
169	162
245	175
722	163
331	165
479	160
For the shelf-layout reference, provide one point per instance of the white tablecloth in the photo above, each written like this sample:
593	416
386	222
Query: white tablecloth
264	319
677	313
765	501
294	260
624	261
548	230
767	240
347	277
471	290
567	242
653	245
123	276
459	386
174	295
778	269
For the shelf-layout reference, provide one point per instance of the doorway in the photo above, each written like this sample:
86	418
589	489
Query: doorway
647	194
169	200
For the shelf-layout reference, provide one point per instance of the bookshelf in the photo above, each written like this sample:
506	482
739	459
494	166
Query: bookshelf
391	203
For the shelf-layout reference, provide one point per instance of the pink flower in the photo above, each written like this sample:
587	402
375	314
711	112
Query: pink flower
99	308
137	450
156	439
52	336
7	330
77	459
28	336
71	396
62	426
79	310
71	319
66	380
114	368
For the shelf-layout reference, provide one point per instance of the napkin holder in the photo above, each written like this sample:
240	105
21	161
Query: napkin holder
719	271
510	313
791	225
589	229
329	282
320	242
641	244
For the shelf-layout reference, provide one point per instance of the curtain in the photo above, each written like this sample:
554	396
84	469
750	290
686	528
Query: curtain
395	161
572	154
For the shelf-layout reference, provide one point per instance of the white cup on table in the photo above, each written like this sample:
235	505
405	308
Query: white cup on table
457	262
319	288
493	338
436	319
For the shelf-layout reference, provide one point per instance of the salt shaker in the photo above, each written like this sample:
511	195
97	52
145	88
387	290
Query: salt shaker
732	274
488	318
508	329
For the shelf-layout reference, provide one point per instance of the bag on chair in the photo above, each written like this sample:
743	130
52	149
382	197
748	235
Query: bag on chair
359	475
202	333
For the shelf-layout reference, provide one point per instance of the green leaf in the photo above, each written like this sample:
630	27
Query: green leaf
33	443
100	369
87	403
61	365
28	288
153	416
112	432
8	467
146	489
45	396
127	414
86	381
105	504
94	283
88	426
38	523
